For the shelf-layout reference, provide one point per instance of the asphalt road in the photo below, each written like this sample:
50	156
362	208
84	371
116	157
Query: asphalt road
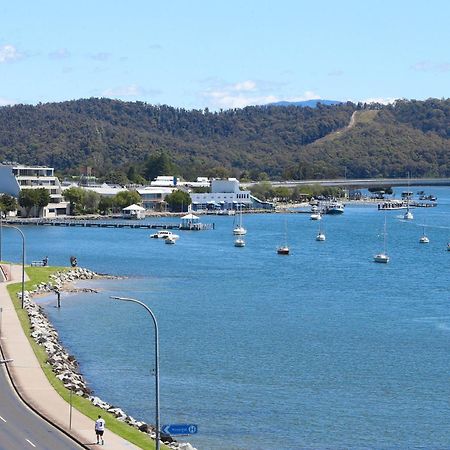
21	428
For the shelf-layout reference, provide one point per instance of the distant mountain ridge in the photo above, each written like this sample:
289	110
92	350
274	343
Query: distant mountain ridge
311	103
253	142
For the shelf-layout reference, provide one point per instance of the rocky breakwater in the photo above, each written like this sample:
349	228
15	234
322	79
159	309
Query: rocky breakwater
64	365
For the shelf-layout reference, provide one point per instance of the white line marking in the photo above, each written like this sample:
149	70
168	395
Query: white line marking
2	419
30	442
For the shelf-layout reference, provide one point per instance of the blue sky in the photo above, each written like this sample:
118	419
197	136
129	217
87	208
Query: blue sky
223	54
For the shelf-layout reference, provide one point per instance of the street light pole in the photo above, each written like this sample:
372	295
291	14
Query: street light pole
23	258
127	299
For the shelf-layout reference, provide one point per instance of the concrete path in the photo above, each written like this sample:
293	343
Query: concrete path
32	383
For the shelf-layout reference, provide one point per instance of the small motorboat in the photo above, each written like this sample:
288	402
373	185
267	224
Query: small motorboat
283	250
316	216
170	240
164	234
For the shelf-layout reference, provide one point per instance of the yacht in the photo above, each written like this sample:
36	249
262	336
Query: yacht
164	234
320	236
382	257
239	242
334	208
283	250
424	238
239	230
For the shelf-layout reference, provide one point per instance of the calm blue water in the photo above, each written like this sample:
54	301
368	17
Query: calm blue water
323	348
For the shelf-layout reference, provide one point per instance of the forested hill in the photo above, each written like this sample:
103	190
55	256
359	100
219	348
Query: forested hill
291	141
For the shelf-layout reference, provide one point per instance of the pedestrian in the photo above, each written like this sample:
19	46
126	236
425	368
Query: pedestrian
100	429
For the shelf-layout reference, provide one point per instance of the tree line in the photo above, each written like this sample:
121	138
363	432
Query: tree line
128	141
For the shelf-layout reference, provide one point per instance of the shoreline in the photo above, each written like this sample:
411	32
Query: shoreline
64	365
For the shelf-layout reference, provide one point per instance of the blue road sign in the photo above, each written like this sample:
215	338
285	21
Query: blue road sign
180	428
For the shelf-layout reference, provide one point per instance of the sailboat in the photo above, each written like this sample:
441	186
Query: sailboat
239	229
239	242
320	235
424	238
408	214
284	249
382	257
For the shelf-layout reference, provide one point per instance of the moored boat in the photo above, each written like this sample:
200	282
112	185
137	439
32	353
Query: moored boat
239	242
283	250
164	234
334	208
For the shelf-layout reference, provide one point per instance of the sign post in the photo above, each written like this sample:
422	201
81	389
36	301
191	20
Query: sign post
180	429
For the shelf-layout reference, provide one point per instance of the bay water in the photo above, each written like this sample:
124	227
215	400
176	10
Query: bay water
319	349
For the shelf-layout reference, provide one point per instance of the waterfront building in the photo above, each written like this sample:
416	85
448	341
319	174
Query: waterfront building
133	212
226	195
153	197
16	177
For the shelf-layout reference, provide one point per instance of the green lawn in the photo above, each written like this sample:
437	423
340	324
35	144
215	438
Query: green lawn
42	274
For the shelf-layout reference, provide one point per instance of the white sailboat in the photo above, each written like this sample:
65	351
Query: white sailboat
382	257
408	214
239	242
320	235
239	230
424	238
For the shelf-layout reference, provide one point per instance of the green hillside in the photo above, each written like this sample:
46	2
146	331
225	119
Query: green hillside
293	142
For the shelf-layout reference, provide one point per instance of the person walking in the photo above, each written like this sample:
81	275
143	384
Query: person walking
100	429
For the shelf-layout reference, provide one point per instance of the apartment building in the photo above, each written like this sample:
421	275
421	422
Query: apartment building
16	177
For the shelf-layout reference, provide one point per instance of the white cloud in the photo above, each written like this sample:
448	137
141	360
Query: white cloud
245	93
100	56
248	85
431	66
6	101
129	91
60	53
9	53
382	100
307	95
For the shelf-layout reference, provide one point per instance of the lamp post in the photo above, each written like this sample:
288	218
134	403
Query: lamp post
23	258
127	299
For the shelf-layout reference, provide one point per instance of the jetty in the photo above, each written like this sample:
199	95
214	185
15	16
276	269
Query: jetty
109	224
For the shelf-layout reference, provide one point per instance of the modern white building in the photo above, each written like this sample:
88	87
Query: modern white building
225	194
16	177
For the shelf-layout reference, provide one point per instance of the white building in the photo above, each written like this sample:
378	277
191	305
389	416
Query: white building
133	212
225	194
152	196
15	178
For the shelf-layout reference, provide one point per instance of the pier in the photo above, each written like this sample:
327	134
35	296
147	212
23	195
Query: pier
107	224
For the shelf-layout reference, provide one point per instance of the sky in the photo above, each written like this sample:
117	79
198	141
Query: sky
223	54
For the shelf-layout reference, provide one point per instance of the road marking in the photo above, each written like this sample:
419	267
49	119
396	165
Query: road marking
2	419
30	442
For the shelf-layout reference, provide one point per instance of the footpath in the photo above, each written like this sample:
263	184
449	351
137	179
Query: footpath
32	384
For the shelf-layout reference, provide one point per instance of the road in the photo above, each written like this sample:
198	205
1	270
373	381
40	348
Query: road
21	428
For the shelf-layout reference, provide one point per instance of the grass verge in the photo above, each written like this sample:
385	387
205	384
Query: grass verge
42	274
